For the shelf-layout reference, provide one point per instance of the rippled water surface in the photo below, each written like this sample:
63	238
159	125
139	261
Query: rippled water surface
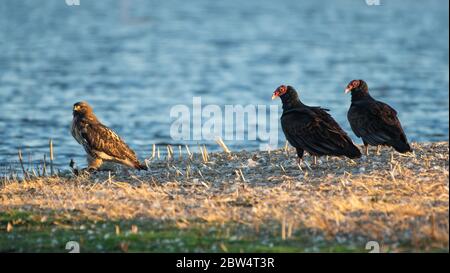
134	60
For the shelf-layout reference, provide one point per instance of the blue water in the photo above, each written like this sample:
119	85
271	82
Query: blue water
134	60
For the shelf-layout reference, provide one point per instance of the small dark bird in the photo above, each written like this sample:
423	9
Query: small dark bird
100	143
312	129
374	121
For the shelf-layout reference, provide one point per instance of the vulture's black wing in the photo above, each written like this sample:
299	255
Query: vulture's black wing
314	130
377	124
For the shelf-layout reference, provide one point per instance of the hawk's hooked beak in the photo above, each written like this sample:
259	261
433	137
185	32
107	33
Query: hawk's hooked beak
76	108
348	90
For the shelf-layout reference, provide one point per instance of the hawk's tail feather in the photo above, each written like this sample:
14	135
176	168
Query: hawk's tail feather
141	166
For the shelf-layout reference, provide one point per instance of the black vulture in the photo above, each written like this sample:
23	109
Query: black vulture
312	129
374	121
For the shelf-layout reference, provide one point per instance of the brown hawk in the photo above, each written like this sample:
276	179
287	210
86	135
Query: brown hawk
100	143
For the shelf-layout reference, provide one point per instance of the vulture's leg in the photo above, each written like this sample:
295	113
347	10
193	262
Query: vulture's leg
366	148
315	160
300	153
378	149
300	160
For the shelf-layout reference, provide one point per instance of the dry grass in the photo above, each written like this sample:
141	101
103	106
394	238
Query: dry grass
402	201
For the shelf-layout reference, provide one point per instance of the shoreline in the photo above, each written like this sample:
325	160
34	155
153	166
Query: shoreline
398	200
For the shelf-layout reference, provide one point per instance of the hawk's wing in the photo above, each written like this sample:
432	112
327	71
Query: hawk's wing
99	138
